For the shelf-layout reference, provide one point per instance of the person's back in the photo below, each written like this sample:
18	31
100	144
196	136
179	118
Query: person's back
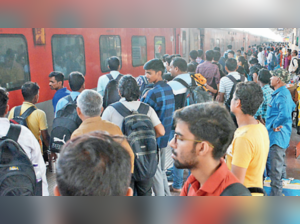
94	164
89	106
114	67
36	121
26	140
248	153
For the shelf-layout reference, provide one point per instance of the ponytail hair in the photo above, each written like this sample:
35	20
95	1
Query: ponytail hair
129	88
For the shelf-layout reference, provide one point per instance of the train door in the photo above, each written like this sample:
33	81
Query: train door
185	45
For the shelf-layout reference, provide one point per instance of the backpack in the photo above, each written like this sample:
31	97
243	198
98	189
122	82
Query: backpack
138	128
298	69
249	52
235	82
65	123
111	93
194	93
21	119
273	62
17	176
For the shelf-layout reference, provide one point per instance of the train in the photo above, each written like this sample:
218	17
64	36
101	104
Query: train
30	54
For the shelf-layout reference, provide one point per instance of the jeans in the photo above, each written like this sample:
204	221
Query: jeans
160	181
277	169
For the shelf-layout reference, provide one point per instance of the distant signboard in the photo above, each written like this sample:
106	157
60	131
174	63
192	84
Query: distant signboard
280	29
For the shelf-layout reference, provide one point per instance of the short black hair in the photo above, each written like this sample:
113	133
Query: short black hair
209	122
217	49
264	76
242	48
180	63
3	101
271	49
59	76
251	96
239	51
200	53
169	59
94	164
217	55
191	67
253	61
194	54
178	55
164	57
29	90
113	63
231	64
76	80
209	55
229	46
230	52
260	49
129	88
156	65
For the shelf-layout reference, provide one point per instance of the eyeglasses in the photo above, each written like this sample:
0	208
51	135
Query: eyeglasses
176	137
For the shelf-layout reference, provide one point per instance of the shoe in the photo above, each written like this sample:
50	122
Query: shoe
170	178
172	189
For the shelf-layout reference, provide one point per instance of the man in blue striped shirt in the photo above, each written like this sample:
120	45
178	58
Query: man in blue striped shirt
264	77
161	99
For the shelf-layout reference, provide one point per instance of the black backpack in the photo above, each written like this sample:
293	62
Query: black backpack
298	69
65	123
17	176
194	93
21	119
138	128
111	93
227	103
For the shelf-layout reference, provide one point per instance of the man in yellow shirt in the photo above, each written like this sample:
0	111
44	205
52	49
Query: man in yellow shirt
89	106
36	121
247	155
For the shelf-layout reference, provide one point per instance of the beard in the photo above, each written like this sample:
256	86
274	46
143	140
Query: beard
188	164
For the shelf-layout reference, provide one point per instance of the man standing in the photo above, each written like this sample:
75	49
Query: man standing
56	82
161	99
89	107
248	153
202	134
193	57
271	60
210	71
279	125
37	120
294	65
264	77
260	56
114	67
26	140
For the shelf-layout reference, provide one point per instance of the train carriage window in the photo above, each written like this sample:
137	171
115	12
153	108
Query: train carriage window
159	47
110	45
68	54
139	50
14	65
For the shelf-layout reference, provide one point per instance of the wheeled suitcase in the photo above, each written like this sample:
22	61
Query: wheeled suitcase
290	187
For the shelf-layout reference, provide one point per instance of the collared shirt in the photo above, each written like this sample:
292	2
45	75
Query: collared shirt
31	147
97	124
199	60
103	81
112	115
36	122
214	186
58	95
210	72
178	89
161	99
293	65
279	113
262	110
261	58
63	101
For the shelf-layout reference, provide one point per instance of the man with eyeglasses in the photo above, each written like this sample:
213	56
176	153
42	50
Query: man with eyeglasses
203	133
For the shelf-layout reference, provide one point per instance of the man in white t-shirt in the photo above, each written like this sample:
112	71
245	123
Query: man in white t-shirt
227	82
114	67
26	140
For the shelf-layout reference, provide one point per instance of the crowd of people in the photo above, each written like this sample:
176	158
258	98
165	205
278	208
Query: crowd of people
113	141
